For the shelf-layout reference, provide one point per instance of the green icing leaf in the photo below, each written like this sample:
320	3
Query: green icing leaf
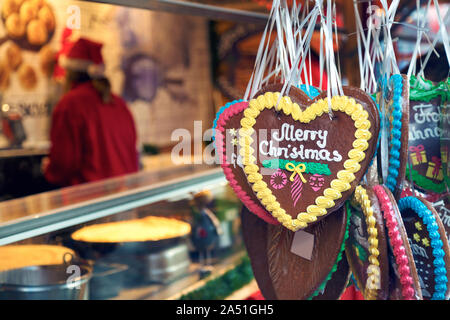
311	167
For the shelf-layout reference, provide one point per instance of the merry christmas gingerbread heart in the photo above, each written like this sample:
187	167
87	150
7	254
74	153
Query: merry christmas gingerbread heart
301	164
227	125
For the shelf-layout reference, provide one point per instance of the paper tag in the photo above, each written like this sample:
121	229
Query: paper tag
303	244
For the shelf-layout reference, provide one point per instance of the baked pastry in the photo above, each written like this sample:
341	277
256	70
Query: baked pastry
20	256
47	56
19	2
14	56
38	3
5	75
46	15
15	26
27	77
37	33
147	229
10	7
28	12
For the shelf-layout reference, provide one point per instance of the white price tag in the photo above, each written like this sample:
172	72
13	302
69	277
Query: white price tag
303	244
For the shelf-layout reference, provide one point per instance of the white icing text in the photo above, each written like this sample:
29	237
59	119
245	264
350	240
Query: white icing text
289	133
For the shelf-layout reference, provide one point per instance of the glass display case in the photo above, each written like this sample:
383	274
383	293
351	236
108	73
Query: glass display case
166	269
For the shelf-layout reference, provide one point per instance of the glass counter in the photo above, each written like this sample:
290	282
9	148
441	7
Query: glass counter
168	272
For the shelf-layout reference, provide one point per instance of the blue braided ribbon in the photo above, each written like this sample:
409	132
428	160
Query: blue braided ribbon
310	91
440	272
394	152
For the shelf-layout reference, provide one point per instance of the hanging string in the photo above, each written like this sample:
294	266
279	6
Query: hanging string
334	85
304	41
443	37
260	61
388	67
420	26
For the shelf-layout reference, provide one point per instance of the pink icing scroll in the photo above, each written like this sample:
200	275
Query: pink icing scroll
251	205
396	242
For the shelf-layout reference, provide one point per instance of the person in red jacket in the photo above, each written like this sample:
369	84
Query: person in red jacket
92	134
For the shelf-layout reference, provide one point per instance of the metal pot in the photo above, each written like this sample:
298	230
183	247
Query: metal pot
107	280
48	282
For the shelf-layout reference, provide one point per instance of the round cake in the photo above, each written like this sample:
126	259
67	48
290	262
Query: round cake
146	229
20	256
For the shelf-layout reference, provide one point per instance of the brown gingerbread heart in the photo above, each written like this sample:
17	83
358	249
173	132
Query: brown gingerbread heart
429	245
398	113
336	286
366	246
404	280
301	164
442	207
293	265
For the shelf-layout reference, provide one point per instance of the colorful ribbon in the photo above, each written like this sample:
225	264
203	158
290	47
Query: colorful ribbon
299	169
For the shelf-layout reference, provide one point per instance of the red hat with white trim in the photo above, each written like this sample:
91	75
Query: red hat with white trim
86	56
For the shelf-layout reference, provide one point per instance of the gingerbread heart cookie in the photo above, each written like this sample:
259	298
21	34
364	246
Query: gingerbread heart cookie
429	245
226	135
398	112
301	164
336	286
294	265
366	246
404	280
227	126
442	207
425	164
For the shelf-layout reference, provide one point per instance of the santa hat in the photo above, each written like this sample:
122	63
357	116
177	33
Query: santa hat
85	55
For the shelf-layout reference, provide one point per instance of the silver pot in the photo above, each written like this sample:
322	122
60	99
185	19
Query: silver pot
50	282
107	280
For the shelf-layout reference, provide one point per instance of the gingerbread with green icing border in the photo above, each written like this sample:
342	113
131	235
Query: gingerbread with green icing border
425	166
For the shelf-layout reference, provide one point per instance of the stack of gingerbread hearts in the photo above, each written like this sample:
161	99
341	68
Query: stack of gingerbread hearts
321	211
294	155
293	167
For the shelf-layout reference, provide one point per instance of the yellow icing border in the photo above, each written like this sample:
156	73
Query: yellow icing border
344	177
373	271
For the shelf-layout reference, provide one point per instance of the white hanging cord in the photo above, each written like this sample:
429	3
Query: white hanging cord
443	30
303	45
262	51
444	35
420	26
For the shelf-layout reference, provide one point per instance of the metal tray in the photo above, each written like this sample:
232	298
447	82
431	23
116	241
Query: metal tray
97	250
